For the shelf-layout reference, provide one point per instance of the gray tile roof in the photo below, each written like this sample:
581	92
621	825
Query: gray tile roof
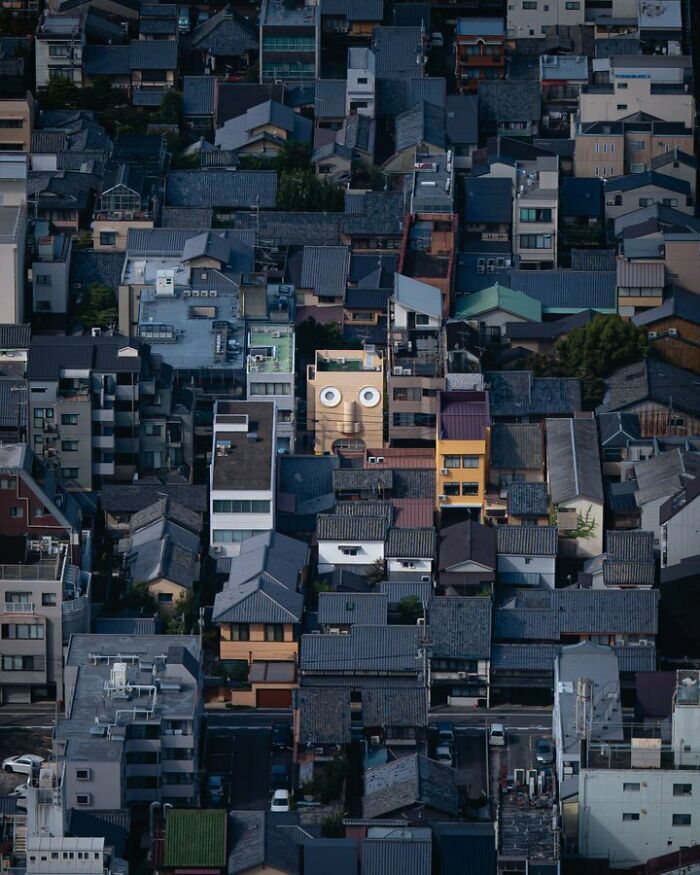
631	611
460	628
163	558
396	50
187	217
407	855
573	460
592	259
462	119
524	657
634	659
117	498
628	573
517	445
330	98
366	609
172	510
354	10
617	429
630	546
15	336
223	188
519	393
395	96
652	380
423	124
396	589
198	94
364	649
324	715
262	600
406	781
488	199
363	478
125	626
528	499
325	269
338	527
410	544
567	290
527	540
660	476
227	33
467	541
504	101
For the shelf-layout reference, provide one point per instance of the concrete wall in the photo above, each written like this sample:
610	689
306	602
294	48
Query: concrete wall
53	294
516	564
13	275
330	554
531	23
14	112
681	535
630	200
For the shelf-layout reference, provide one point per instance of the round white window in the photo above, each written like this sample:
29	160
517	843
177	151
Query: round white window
369	396
330	396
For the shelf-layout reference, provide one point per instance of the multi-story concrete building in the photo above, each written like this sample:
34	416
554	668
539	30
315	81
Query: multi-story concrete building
50	270
13	178
290	41
16	123
43	602
99	409
640	798
345	399
479	52
535	214
415	370
129	733
360	93
461	452
629	93
59	45
531	18
242	473
13	229
270	376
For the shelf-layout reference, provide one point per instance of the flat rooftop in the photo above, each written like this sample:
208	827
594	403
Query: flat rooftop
270	350
243	445
433	184
347	360
278	13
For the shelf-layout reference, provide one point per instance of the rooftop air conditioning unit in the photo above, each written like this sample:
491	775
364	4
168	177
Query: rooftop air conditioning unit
204	293
195	293
397	371
372	460
187	293
213	293
376	740
652	335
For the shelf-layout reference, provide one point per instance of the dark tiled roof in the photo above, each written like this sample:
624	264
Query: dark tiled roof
467	542
617	429
15	336
516	446
528	499
187	217
364	649
125	626
462	119
226	33
406	781
652	380
527	540
636	659
330	98
504	101
422	124
49	354
87	267
365	609
234	98
628	573
198	93
116	498
325	270
573	460
633	181
519	393
633	545
354	10
410	544
621	496
220	187
325	715
592	259
388	855
488	199
375	479
262	600
396	50
580	197
460	628
633	611
395	96
524	657
337	527
568	290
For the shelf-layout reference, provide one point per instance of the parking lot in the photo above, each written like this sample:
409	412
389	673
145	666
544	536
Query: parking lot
16	740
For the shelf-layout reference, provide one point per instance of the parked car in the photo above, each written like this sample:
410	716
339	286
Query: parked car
279	776
443	754
27	764
497	735
544	752
280	801
282	738
215	789
20	792
446	733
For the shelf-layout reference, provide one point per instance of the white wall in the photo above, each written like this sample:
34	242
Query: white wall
544	565
650	519
422	566
259	522
330	555
681	535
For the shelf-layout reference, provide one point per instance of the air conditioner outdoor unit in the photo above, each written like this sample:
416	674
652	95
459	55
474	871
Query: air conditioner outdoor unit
187	293
375	740
442	498
425	578
195	293
372	460
397	371
213	293
204	293
644	642
461	675
340	361
652	335
444	471
673	332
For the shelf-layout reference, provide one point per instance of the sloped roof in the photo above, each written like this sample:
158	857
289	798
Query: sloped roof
498	297
509	101
566	291
337	608
422	124
226	33
633	181
221	187
467	541
526	540
519	393
409	543
199	95
395	96
325	269
617	428
338	527
516	445
364	649
633	545
417	296
460	628
262	600
681	303
654	380
395	50
573	461
488	199
528	499
195	838
406	781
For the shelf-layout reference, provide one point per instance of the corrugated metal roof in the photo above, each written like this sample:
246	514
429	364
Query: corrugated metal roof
573	460
640	274
464	415
325	269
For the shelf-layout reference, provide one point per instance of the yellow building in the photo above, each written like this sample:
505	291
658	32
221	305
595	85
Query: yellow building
345	399
462	450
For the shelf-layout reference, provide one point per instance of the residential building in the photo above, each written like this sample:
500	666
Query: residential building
494	307
13	229
120	501
673	328
680	524
561	77
16	123
360	94
344	20
626	95
59	46
540	337
290	38
640	286
50	269
461	450
119	751
243	473
410	551
528	504
428	790
258	614
535	214
415	369
100	409
628	561
145	69
125	202
526	555
479	52
264	130
581	216
354	540
304	489
45	601
271	374
227	43
531	19
487	212
517	455
338	612
576	485
647	789
14	167
518	396
460	630
351	378
510	107
679	255
645	189
656	480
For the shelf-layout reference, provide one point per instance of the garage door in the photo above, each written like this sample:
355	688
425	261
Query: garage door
17	695
274	699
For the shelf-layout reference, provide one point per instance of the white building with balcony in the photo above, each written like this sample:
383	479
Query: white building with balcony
270	376
361	88
535	214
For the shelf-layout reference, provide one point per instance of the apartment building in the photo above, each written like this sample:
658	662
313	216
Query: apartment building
50	270
13	230
43	602
415	371
629	93
129	732
461	452
290	41
242	473
639	798
59	46
16	123
531	18
536	214
270	376
345	399
99	409
124	203
479	52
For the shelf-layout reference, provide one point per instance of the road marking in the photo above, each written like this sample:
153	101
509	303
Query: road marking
526	728
14	726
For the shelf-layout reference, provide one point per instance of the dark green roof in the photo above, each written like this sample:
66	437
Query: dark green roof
498	297
195	838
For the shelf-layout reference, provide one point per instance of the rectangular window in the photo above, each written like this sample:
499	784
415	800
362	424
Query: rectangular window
451	461
274	632
406	393
69	419
245	505
165	598
7	484
451	488
470	461
573	4
22	631
349	550
240	632
670	201
637	145
23	663
270	388
83	774
108	238
682	789
43	279
69	446
82	799
530	214
622	106
646	201
153	430
470	488
529	4
16	512
48	599
535	241
69	473
682	820
631	787
58	51
630	815
234	536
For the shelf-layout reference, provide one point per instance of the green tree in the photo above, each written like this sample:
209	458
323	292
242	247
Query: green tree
61	93
172	108
138	598
180	621
410	610
98	306
316	587
303	191
375	573
593	352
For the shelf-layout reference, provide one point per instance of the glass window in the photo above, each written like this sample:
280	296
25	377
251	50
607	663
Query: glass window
682	789
274	632
245	505
69	446
48	599
165	598
108	238
69	419
407	393
631	787
630	815
535	241
234	536
470	461
682	820
16	512
470	488
43	279
451	461
69	473
240	632
530	214
451	488
5	483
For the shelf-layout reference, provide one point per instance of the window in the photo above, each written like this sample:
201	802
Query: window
42	279
246	505
82	799
234	536
422	319
69	446
11	123
270	388
450	488
58	51
274	632
349	550
637	145
23	663
451	461
470	488
637	168
83	774
631	787
646	201
670	201
69	473
39	511
361	80
682	789
22	631
622	86
530	214
470	461
48	599
573	4
153	430
535	241
16	512
108	238
413	420
240	632
69	419
165	598
630	815
529	4
681	819
622	106
7	484
406	393
43	306
14	598
289	44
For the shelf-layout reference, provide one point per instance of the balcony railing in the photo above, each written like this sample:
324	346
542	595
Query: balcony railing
520	578
19	607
